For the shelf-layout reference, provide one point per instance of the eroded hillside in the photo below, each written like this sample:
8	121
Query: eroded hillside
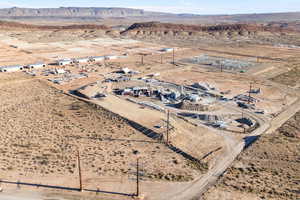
181	33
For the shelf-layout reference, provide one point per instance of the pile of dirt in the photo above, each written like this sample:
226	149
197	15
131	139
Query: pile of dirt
269	169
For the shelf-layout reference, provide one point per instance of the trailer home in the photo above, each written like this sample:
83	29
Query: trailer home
36	66
64	62
11	68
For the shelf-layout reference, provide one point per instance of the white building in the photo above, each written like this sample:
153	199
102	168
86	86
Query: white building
97	58
81	60
36	66
64	62
11	68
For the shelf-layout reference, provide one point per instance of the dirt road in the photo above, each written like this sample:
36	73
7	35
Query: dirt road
196	188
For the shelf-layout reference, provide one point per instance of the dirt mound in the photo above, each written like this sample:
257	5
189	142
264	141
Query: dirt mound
16	25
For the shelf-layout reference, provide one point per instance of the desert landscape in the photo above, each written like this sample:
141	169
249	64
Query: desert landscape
119	103
269	169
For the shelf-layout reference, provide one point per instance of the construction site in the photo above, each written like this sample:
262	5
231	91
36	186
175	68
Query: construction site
121	117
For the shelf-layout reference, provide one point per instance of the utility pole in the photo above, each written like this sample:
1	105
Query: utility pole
137	178
243	124
168	126
79	170
161	59
173	56
142	59
249	93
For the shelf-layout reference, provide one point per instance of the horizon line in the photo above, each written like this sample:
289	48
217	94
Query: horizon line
188	13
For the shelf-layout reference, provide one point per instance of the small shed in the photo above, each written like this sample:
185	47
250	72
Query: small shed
11	68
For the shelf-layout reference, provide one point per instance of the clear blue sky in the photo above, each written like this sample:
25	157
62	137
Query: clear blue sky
175	6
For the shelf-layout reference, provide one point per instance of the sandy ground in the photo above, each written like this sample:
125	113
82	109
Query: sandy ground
184	136
266	170
42	128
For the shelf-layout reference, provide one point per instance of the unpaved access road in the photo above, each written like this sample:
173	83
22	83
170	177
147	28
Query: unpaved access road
199	186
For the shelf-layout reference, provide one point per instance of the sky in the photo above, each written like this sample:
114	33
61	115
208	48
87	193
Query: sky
173	6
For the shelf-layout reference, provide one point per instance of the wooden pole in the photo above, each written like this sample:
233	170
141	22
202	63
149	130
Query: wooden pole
161	59
142	59
168	127
243	124
137	178
79	170
250	93
173	56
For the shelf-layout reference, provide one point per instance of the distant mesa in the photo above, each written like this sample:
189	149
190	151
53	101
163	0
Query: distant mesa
71	12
